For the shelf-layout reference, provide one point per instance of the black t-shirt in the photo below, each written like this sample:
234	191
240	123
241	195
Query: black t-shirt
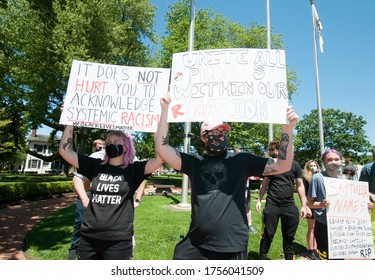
218	221
306	184
281	187
110	213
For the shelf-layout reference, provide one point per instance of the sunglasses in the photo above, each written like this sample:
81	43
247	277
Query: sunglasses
217	132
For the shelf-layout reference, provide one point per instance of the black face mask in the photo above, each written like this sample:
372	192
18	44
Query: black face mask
113	151
217	143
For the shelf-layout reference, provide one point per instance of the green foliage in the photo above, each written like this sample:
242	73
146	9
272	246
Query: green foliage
343	131
29	178
17	187
144	145
10	155
39	40
212	30
170	179
251	137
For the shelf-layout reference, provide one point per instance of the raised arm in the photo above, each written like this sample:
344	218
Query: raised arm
66	147
162	147
153	164
285	157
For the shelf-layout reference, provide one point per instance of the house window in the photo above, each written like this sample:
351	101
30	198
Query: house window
56	164
41	148
34	163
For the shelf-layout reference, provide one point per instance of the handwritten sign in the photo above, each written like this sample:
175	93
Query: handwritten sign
348	219
114	97
241	85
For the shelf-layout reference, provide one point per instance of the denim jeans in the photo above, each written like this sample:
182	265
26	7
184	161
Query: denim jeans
76	234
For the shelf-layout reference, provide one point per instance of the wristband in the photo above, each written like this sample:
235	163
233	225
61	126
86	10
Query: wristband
137	200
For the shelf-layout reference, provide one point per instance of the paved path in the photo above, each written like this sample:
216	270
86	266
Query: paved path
17	219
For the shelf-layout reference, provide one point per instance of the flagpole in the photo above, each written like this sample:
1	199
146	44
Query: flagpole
320	118
270	127
187	130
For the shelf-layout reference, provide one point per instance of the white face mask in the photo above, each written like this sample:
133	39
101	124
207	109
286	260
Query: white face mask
313	169
333	166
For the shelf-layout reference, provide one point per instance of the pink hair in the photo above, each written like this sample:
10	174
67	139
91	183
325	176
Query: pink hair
128	143
327	151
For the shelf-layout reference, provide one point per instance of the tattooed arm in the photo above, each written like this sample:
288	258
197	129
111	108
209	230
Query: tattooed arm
66	146
285	157
162	147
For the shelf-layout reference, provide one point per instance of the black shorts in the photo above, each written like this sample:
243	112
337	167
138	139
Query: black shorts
185	250
321	237
312	217
96	249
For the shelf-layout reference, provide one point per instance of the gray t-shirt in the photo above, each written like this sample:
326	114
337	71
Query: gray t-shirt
317	190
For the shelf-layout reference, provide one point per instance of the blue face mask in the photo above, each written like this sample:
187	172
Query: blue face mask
217	143
114	151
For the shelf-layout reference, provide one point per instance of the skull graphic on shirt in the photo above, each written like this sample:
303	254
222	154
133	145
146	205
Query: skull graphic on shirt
213	175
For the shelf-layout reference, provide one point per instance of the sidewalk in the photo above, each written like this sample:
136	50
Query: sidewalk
17	219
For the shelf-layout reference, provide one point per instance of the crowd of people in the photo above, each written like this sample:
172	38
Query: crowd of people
106	183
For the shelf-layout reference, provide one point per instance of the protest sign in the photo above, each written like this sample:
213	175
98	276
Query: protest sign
114	97
239	85
348	220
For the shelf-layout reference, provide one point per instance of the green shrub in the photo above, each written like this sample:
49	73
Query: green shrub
15	191
172	179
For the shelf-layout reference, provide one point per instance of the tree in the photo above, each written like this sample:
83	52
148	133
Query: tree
343	131
13	129
39	40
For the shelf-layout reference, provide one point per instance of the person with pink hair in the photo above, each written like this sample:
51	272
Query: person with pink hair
107	230
318	202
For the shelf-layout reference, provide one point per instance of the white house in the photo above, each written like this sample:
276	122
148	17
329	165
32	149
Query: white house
39	143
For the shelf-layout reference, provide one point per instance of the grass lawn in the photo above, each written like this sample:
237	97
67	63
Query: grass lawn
157	230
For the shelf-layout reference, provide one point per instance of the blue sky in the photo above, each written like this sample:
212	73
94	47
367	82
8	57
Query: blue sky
347	66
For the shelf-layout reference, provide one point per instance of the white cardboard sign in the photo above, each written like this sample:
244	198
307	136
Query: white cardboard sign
348	219
239	85
114	97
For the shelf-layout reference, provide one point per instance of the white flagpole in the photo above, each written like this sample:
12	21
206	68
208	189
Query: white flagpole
320	118
270	127
185	179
